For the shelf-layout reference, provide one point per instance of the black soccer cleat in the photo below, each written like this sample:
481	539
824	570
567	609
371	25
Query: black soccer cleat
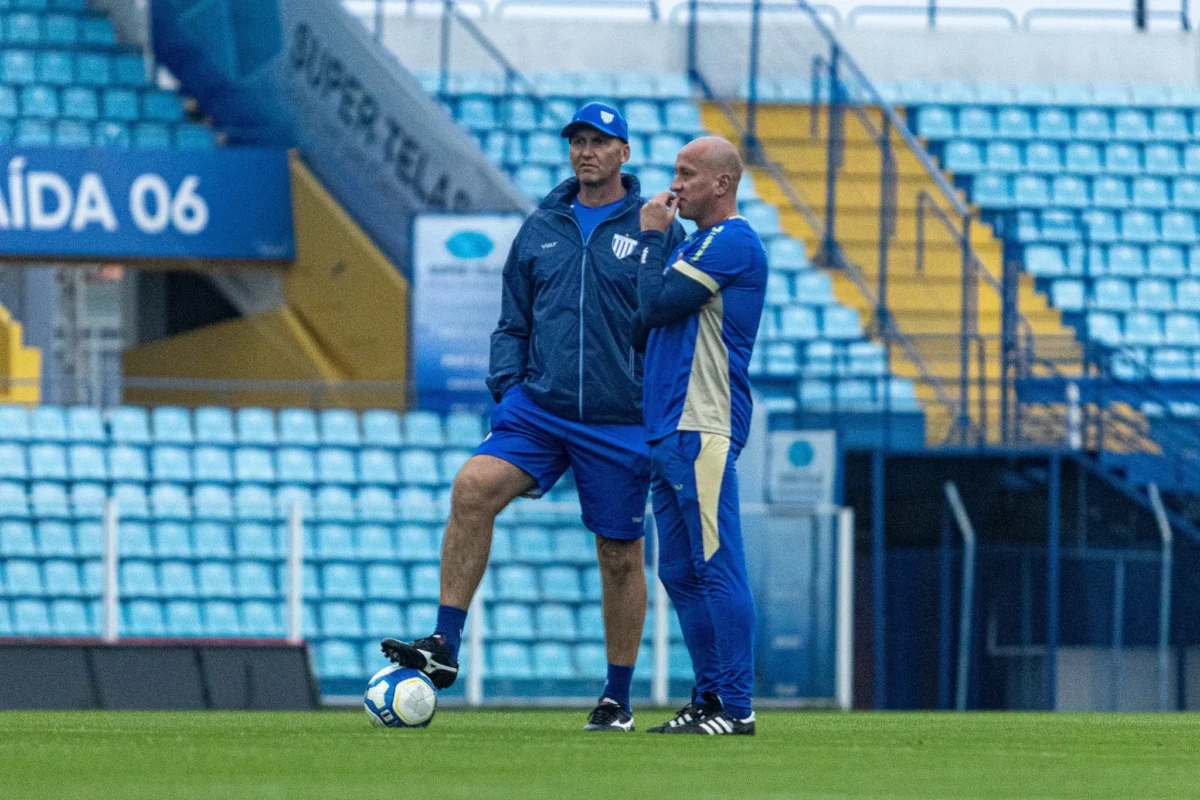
708	705
430	655
609	715
720	724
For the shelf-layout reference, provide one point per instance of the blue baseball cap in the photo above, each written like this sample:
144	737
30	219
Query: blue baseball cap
600	116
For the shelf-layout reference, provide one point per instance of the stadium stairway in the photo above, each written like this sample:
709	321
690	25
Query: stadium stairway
926	304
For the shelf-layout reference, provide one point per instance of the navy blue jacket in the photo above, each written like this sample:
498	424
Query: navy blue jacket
566	320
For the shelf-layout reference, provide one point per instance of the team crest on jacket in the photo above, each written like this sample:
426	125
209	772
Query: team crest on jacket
623	245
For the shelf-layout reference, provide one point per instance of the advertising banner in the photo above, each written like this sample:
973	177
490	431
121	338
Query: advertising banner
458	261
802	469
130	204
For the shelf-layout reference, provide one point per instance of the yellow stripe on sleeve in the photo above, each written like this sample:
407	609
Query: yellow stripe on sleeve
699	276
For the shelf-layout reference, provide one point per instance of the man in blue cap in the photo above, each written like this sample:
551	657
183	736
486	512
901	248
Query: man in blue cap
567	381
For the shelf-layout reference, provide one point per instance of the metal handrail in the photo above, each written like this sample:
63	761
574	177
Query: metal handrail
1033	14
932	11
650	5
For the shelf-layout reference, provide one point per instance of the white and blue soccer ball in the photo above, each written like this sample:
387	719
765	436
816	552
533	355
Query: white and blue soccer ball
398	697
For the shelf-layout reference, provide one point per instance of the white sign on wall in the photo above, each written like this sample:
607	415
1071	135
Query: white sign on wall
802	468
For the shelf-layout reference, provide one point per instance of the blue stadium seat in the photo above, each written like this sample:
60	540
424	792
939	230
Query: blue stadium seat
119	105
19	67
991	191
89	539
172	540
337	659
935	122
96	31
260	619
296	465
62	579
14	423
343	581
1170	364
112	134
254	579
381	428
509	660
335	543
16	539
1014	123
159	105
375	504
342	620
1030	191
211	540
1154	295
255	540
170	464
534	182
1112	294
183	619
48	462
1182	330
1150	193
127	464
1124	260
214	426
1138	226
1143	328
215	579
556	622
171	425
1068	295
298	426
93	69
1002	156
255	426
50	500
80	103
13	463
464	430
419	467
787	254
1053	123
129	425
212	502
415	543
516	583
424	582
335	466
137	579
192	136
14	502
54	539
69	618
561	584
144	618
8	105
212	465
1131	124
386	582
383	619
374	543
377	467
129	69
975	123
170	501
1179	227
1187	295
1170	125
339	428
221	619
335	504
1093	123
177	579
254	503
1162	159
22	578
253	465
512	621
591	661
48	423
416	505
591	584
654	179
532	545
1083	158
134	540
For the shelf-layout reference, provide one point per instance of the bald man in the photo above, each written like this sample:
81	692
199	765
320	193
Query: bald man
698	311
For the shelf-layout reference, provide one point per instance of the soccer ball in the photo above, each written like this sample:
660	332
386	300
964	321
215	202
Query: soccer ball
398	697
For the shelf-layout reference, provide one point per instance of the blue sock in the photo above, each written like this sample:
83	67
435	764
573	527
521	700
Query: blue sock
450	622
618	683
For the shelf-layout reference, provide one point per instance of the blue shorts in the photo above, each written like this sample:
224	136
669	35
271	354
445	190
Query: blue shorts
611	462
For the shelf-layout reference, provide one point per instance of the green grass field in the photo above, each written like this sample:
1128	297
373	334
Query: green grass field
544	754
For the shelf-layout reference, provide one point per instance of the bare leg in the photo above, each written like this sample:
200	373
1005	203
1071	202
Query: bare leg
483	487
623	576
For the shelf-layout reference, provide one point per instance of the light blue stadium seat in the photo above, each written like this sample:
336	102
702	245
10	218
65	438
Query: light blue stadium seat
963	157
255	426
1121	158
97	31
935	122
1162	159
679	663
1112	294
684	117
34	133
260	619
172	540
1125	260
424	582
840	323
1083	158
93	69
1131	124
111	134
253	465
517	583
664	147
129	69
298	426
16	539
815	394
519	114
654	179
1143	328
134	540
1169	124
214	579
1150	193
1138	226
423	429
171	425
13	464
674	86
510	661
335	504
591	623
450	462
138	579
22	578
1103	327
1069	191
212	540
591	661
214	426
1100	225
40	102
415	543
377	467
464	430
512	621
545	148
339	428
72	133
14	502
1154	295
168	464
253	503
296	465
799	323
416	505
532	545
177	579
788	254
1068	295
183	618
419	467
62	579
87	500
287	497
221	619
1187	295
1182	330
556	622
1179	227
19	67
255	540
383	619
170	501
974	123
1014	123
342	620
374	543
144	618
1185	194
335	466
643	117
381	428
129	425
1001	156
991	191
1170	364
386	582
212	502
1166	261
69	618
50	500
561	584
1093	123
159	105
87	463
553	661
54	539
534	182
344	581
193	136
1030	191
476	113
119	105
254	579
375	505
80	103
127	464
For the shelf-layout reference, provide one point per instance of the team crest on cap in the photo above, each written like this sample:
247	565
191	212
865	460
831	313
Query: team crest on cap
607	116
623	245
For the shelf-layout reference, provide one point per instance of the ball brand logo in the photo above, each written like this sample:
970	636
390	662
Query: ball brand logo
606	116
470	244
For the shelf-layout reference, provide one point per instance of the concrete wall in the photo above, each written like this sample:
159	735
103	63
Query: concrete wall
545	45
1086	679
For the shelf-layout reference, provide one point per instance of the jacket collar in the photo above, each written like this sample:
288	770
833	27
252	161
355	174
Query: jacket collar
560	199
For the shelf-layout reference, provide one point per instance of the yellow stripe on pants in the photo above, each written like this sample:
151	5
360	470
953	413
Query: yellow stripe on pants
710	472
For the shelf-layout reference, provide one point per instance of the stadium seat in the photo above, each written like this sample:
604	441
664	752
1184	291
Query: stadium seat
339	428
416	505
381	428
183	619
335	466
509	660
170	501
377	467
137	579
177	579
212	502
171	425
375	505
591	661
298	426
415	543
561	584
341	620
50	501
221	619
69	618
424	582
133	540
214	426
14	503
255	426
212	465
374	543
339	659
129	425
556	622
552	661
14	423
254	579
296	465
512	621
13	463
386	582
383	619
172	540
419	467
255	540
169	464
516	583
256	504
342	581
260	619
54	539
214	579
128	464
